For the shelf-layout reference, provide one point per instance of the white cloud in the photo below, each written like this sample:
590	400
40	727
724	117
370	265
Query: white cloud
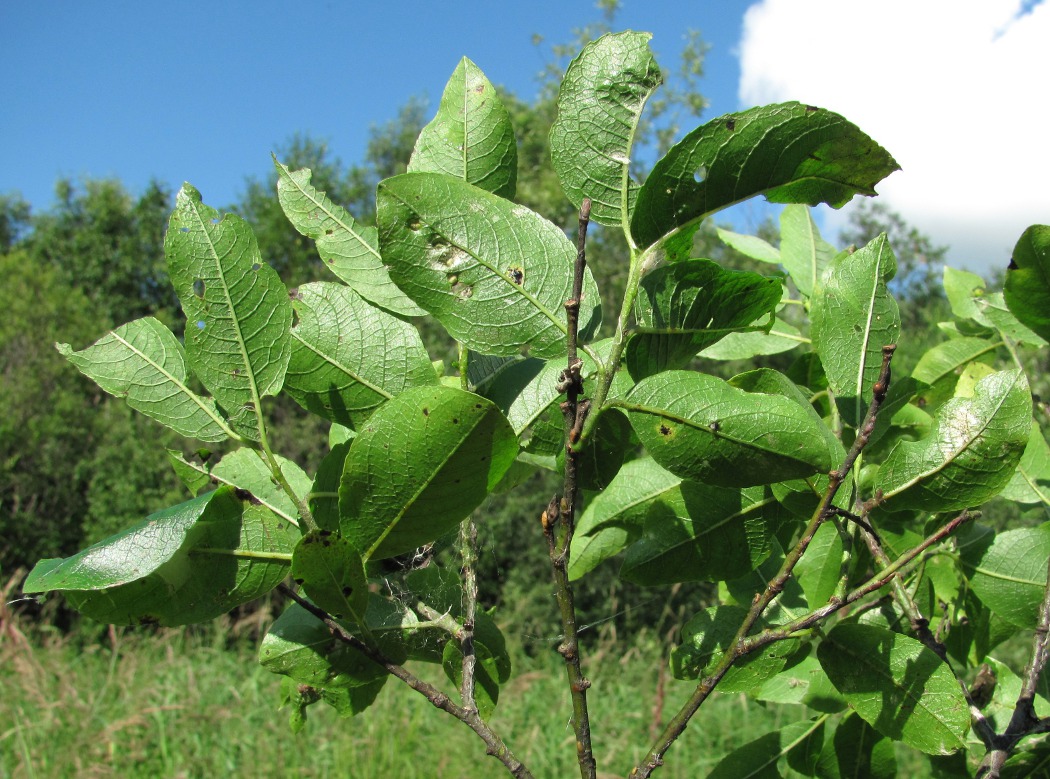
956	90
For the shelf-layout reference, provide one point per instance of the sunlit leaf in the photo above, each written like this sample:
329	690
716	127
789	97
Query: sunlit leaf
803	253
1027	285
1031	481
1008	572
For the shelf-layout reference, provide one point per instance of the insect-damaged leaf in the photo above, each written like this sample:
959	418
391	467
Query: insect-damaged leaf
790	152
898	686
144	363
349	249
471	137
348	357
969	455
495	274
185	564
329	569
701	428
599	105
238	315
419	466
689	305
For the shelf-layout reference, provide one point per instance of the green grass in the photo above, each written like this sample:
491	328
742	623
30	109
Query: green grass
178	704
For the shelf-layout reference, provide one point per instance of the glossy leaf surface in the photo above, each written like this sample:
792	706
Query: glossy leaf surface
471	137
238	316
348	357
495	274
349	249
898	686
687	306
421	464
599	104
186	564
970	454
791	153
701	428
144	363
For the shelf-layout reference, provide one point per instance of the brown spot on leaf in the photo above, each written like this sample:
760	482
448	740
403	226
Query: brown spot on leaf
517	275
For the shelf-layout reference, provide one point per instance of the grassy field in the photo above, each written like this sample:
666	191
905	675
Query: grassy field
179	704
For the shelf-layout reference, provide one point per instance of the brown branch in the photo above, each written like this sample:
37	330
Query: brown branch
1024	721
468	539
741	645
559	520
493	743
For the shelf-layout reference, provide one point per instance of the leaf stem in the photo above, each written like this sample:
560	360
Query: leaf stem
493	743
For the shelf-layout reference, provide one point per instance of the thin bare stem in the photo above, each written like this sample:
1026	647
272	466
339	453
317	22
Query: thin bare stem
559	520
468	544
741	644
493	743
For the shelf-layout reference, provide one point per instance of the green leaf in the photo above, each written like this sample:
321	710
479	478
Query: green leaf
705	639
689	305
803	683
963	289
244	469
857	751
329	568
780	337
238	316
1027	285
324	494
349	249
615	516
186	564
898	686
701	428
750	246
697	532
803	253
853	317
144	363
1031	481
820	569
758	759
419	466
940	366
495	274
348	357
1008	572
492	668
471	137
601	456
192	475
970	454
789	605
791	153
599	104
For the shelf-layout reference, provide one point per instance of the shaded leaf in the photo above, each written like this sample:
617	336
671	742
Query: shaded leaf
970	454
324	494
348	357
329	569
470	137
349	249
940	366
791	153
857	751
1031	481
898	686
495	274
183	565
701	428
1008	572
419	466
687	306
599	104
238	316
853	317
144	363
1027	285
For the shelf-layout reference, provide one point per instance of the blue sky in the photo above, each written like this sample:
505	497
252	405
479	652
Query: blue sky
203	91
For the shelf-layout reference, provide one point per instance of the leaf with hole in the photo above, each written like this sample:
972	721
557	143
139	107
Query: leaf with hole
419	466
687	306
238	316
969	455
348	357
701	428
144	363
791	153
471	137
495	274
349	249
186	564
898	686
600	103
853	318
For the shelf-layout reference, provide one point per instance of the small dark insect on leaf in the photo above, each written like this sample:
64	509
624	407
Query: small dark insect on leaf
516	275
714	426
